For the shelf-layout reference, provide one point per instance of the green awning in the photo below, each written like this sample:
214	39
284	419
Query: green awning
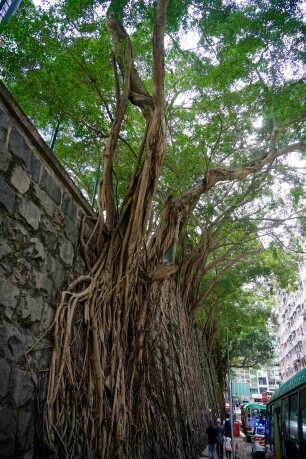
240	388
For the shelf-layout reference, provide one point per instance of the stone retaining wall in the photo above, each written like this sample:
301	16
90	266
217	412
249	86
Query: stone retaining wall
40	215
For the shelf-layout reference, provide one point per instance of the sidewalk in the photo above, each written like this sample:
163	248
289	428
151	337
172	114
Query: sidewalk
244	447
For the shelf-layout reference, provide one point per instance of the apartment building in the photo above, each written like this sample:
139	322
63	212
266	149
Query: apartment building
291	333
259	381
8	8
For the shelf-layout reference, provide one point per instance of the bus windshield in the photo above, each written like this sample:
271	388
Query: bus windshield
256	413
260	430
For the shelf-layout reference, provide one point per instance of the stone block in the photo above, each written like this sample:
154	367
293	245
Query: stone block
71	229
34	165
36	250
49	234
7	196
12	343
3	126
39	357
48	204
66	250
16	233
47	317
58	217
18	146
26	430
50	186
20	180
5	371
80	265
7	433
69	206
30	213
5	157
30	309
5	269
22	387
44	285
5	249
8	297
56	271
22	273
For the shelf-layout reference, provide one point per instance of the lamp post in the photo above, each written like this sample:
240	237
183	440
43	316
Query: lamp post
229	386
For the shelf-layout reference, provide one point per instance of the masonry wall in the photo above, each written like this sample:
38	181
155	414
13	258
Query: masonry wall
40	214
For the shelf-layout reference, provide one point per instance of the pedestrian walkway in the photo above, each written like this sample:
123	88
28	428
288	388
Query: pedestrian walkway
244	447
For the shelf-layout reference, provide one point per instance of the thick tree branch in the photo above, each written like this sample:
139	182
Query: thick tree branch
158	54
139	95
220	174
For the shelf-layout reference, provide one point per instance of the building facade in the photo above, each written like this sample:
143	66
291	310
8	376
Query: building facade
259	381
291	333
8	8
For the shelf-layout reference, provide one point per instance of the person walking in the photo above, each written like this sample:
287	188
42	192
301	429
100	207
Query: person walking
227	424
211	438
220	434
228	445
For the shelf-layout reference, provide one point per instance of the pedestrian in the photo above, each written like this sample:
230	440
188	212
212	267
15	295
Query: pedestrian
227	424
211	438
220	434
228	445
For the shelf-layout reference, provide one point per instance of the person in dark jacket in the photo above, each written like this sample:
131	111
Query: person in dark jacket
227	424
220	433
211	438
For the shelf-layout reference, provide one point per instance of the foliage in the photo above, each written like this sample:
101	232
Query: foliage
186	174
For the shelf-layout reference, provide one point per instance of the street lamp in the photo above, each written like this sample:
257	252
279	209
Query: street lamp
230	401
229	386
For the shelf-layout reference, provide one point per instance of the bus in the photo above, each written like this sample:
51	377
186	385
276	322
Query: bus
286	420
252	414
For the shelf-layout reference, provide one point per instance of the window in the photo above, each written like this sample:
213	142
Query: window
285	420
269	428
293	427
303	422
260	430
272	429
262	381
290	438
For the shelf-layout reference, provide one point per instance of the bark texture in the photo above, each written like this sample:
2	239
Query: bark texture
125	378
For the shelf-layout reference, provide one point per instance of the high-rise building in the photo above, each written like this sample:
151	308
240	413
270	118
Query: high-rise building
291	333
8	8
258	381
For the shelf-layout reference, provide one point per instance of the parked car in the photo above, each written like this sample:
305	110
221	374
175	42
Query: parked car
258	439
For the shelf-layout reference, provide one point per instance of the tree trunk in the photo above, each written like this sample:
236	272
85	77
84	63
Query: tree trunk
126	377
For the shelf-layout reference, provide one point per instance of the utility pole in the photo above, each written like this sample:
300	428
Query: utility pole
229	387
96	186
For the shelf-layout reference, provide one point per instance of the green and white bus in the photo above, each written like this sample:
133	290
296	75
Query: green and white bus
252	413
286	420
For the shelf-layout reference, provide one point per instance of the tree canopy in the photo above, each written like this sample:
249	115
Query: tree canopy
235	108
197	111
